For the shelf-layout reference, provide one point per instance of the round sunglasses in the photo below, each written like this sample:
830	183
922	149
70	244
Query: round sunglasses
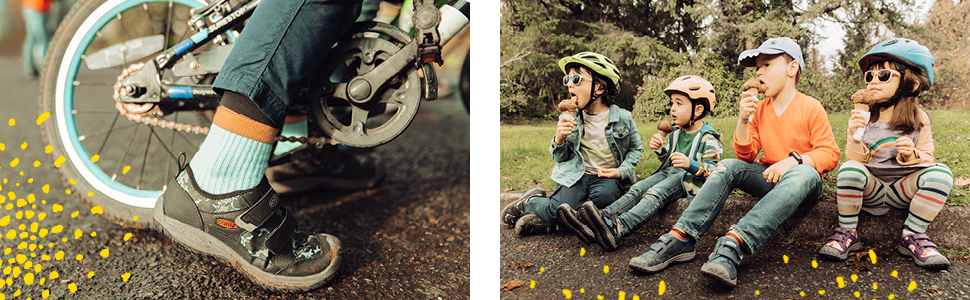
881	75
575	79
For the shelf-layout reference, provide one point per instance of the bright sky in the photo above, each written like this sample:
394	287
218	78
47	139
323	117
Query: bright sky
832	33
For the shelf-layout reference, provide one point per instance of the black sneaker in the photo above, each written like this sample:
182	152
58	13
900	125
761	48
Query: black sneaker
332	168
250	231
531	224
605	227
568	216
512	212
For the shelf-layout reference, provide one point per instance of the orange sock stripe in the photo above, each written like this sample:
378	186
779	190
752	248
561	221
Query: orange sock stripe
678	234
239	124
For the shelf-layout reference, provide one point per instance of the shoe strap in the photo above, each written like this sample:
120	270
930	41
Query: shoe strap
281	235
732	253
840	235
259	212
922	240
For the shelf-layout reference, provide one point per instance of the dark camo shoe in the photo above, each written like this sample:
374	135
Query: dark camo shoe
568	216
723	263
668	249
332	168
531	224
604	227
840	244
923	252
250	231
515	210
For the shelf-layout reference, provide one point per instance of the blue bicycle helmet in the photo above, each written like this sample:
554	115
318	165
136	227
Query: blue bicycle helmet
905	51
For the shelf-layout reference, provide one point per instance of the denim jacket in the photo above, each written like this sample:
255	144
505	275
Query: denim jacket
624	141
705	153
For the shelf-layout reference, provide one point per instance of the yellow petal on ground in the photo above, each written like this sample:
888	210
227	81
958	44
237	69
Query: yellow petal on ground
78	234
95	158
606	269
875	286
532	284
125	170
600	297
12	122
127	236
56	207
662	288
14	162
802	293
568	294
785	258
895	274
542	269
67	192
91	274
48	149
840	281
912	286
821	292
856	294
36	163
47	189
891	296
59	255
872	256
97	210
46	293
135	218
41	216
23	146
29	278
636	297
54	275
757	292
74	214
57	228
5	221
814	264
854	277
79	257
582	251
73	287
40	120
104	253
622	295
124	277
60	160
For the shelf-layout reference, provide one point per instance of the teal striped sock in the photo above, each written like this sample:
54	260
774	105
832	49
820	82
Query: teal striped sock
228	162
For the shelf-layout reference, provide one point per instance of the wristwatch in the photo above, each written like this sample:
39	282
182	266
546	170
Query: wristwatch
796	156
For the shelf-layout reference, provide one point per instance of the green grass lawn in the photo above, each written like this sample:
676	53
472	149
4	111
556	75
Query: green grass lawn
525	160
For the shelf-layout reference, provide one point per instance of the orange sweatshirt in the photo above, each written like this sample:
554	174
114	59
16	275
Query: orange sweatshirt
38	5
803	127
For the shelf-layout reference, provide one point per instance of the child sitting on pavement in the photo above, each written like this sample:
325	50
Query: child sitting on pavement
593	156
787	176
891	164
692	151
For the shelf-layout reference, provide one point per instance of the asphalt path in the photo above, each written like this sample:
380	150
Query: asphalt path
406	238
550	266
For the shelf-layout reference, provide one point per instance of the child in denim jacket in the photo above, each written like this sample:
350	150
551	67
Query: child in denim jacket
692	151
594	156
891	164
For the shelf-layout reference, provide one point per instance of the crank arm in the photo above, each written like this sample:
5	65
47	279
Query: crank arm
360	89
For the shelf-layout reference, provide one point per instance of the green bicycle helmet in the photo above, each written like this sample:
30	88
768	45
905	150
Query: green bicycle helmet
906	51
600	65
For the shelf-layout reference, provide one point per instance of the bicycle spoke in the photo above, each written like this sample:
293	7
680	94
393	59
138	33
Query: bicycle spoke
86	136
164	146
121	26
110	130
144	158
125	155
151	23
168	25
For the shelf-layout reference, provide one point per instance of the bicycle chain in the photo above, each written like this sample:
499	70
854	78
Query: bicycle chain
141	113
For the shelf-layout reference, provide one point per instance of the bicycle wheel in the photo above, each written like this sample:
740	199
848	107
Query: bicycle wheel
108	161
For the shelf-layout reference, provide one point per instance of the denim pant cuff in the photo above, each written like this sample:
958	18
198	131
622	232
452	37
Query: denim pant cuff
689	231
748	242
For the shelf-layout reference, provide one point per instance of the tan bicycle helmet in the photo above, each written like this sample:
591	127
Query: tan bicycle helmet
600	65
695	88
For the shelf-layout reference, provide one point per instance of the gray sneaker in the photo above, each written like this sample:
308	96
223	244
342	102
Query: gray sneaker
332	168
531	224
515	210
668	249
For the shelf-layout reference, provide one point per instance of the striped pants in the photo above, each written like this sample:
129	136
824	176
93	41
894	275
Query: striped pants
923	192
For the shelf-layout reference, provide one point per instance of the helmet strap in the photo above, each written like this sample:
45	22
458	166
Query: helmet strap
592	96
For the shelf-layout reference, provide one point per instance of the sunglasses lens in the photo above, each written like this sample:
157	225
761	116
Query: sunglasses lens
884	75
868	77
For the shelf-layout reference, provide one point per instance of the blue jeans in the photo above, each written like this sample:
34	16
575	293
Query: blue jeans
646	197
280	48
36	41
800	185
602	191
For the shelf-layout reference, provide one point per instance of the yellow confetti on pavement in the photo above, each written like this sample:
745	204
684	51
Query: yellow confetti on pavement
74	214
622	295
15	162
600	297
36	163
97	210
5	221
79	257
532	284
785	258
840	281
57	208
54	275
636	297
60	160
125	276
662	288
135	218
47	189
542	269
912	285
12	122
872	256
127	236
802	293
48	149
891	296
757	292
567	293
46	293
854	277
814	264
821	292
40	119
856	294
895	274
606	269
95	158
125	170
29	278
78	234
104	253
582	251
73	287
875	286
23	146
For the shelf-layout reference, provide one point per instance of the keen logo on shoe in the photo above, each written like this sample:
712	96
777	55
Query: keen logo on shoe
227	224
274	201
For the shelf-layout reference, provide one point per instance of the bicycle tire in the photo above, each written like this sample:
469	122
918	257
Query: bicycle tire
67	96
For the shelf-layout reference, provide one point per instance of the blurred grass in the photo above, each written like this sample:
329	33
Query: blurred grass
525	160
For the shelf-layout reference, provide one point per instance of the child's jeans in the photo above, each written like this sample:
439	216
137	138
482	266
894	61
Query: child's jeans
800	185
35	43
602	191
646	197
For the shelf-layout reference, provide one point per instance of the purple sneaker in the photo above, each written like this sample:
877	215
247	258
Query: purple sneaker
923	252
840	244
